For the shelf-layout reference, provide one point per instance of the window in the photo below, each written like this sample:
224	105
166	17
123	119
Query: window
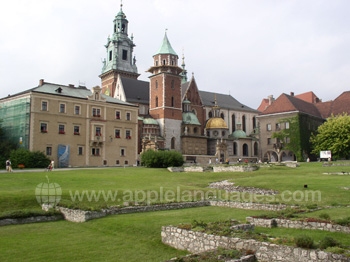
95	151
268	127
210	114
255	149
173	143
98	131
156	101
164	62
77	110
244	124
122	152
269	141
77	130
80	150
156	84
126	162
123	28
110	55
117	115
172	62
115	28
127	134
245	150
195	130
233	118
172	84
157	63
96	112
278	126
254	122
223	133
43	128
49	151
287	125
61	129
62	108
117	162
117	133
128	116
234	148
172	101
125	54
222	116
44	105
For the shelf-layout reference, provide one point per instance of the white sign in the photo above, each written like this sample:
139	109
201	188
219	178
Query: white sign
325	154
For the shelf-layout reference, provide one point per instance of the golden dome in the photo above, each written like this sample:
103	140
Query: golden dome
216	122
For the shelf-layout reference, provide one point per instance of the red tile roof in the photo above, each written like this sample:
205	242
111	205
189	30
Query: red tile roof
308	97
264	104
341	104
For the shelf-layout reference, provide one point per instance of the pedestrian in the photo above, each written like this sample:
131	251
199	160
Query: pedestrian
7	165
209	161
52	165
246	161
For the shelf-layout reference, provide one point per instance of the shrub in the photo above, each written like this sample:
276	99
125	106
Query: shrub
327	242
29	159
335	250
325	216
343	221
161	159
304	241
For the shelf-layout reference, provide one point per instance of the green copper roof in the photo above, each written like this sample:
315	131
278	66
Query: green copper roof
150	121
186	102
239	134
189	118
166	47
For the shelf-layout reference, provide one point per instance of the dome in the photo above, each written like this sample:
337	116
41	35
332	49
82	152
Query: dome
189	118
239	134
216	122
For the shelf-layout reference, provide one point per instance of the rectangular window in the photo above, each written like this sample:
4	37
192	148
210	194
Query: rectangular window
77	130
80	150
43	128
61	129
117	115
98	131
278	126
95	151
110	55
128	116
269	141
96	112
77	110
117	162
122	152
125	55
117	133
127	134
268	127
287	125
49	151
62	108
126	162
44	106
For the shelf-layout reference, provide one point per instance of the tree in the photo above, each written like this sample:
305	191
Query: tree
333	135
6	146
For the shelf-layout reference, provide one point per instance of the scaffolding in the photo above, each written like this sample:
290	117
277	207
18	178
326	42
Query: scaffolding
15	120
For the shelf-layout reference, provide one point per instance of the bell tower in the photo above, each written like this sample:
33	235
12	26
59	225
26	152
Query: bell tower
120	60
165	94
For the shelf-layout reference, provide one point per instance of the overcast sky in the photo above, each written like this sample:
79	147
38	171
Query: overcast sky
248	48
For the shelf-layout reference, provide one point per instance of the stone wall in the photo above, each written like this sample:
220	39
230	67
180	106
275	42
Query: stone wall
286	223
264	251
249	205
234	168
27	220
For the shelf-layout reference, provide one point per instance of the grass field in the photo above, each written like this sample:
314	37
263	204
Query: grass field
136	237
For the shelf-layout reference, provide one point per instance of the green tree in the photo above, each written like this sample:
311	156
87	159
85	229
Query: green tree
6	147
333	135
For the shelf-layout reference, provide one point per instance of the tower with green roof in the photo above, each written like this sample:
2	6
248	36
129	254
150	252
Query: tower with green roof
165	94
119	60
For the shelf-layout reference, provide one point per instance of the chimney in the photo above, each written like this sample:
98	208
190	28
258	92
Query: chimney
271	99
291	93
41	82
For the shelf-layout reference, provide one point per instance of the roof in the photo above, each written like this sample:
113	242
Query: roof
150	121
341	104
166	47
224	101
216	123
308	97
325	108
189	118
264	104
184	87
287	103
136	91
239	134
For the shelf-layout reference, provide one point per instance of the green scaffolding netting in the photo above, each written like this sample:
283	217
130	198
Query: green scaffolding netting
15	117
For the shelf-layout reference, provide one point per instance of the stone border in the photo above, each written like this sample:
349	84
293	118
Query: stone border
249	258
217	169
28	220
338	174
193	241
250	206
297	224
230	187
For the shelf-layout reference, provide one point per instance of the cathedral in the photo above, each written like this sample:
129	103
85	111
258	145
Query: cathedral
173	113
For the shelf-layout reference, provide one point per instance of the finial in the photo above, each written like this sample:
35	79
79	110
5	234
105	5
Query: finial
121	4
193	76
166	30
216	102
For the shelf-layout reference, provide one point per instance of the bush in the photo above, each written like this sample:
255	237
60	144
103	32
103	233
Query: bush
343	221
325	216
29	159
304	241
328	242
161	159
335	250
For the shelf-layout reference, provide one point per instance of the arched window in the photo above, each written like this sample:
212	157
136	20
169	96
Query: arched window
195	130
210	114
156	101
123	28
157	63
173	143
172	84
235	148
222	116
243	123
233	123
156	84
255	148
245	150
172	101
172	62
254	122
164	62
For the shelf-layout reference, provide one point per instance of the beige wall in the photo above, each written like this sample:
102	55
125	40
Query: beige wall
109	146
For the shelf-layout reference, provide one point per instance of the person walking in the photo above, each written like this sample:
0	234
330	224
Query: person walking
7	165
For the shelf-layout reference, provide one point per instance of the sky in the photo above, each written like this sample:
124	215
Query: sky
247	48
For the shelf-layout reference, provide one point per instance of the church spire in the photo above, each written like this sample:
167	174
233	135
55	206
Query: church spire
166	47
184	71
